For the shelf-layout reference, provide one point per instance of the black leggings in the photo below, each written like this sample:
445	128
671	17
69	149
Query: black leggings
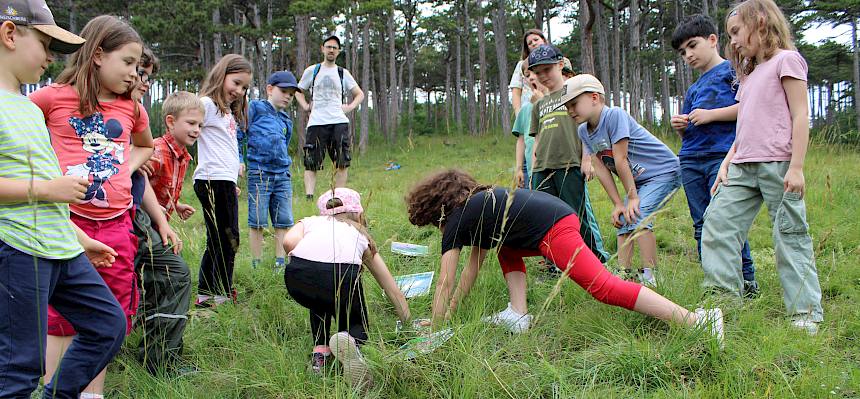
221	214
329	290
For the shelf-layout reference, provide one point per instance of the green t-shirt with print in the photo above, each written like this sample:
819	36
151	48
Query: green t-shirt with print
558	145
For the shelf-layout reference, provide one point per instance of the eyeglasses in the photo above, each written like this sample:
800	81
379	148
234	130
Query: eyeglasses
144	77
331	47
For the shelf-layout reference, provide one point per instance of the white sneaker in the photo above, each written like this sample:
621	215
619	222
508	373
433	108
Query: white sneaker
354	366
803	323
712	319
515	322
647	277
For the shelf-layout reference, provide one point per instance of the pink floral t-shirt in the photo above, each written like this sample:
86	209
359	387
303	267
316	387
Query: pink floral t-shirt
764	120
95	146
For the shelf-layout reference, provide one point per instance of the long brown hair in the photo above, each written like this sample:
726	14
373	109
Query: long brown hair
765	19
528	33
429	202
213	86
107	33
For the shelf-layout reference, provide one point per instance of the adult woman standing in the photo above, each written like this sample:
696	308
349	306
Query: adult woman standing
520	90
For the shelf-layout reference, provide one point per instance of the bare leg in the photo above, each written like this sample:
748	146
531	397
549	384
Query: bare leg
256	243
517	291
310	182
97	385
647	248
54	351
279	239
340	177
655	305
625	251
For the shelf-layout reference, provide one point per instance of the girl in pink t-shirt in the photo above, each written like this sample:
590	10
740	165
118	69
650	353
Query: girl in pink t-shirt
324	275
765	163
93	124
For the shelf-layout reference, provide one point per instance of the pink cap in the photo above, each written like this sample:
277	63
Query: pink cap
351	201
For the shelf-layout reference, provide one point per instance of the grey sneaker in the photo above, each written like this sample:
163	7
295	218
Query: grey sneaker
712	320
803	323
354	366
647	277
751	290
509	318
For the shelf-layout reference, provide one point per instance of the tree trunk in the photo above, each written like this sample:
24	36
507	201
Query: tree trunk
616	54
470	71
458	83
603	71
665	97
856	67
500	39
483	122
449	97
586	21
259	63
73	15
270	38
540	11
393	91
302	61
635	62
237	21
705	7
365	83
409	15
217	43
384	90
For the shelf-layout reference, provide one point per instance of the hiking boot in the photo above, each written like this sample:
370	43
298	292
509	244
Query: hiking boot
712	320
355	368
509	318
647	277
318	362
804	323
751	290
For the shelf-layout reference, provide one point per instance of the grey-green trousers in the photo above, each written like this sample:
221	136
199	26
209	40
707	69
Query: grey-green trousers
727	223
165	297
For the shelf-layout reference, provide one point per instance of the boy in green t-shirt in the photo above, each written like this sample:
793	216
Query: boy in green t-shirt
559	168
41	253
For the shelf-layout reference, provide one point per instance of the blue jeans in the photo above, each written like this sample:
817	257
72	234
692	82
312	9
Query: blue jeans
699	174
269	195
74	288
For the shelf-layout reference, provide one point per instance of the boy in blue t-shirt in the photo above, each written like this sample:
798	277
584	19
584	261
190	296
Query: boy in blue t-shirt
269	188
647	168
706	125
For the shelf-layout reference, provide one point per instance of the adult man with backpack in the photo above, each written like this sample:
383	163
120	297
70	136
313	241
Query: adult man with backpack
328	126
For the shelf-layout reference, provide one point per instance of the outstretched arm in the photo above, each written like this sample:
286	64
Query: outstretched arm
383	276
445	284
467	277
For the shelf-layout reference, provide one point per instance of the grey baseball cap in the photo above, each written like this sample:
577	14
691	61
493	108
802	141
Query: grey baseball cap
36	14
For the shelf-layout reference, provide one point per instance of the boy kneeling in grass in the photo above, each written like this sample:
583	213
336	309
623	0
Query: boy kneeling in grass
649	170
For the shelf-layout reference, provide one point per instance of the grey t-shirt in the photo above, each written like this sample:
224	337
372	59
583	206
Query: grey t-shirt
648	157
327	94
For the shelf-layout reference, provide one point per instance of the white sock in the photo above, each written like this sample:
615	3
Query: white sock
87	395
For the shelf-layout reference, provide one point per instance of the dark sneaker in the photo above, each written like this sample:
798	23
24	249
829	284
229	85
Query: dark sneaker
751	290
318	362
309	197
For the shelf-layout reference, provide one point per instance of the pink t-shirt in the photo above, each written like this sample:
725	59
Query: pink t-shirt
94	146
764	120
330	241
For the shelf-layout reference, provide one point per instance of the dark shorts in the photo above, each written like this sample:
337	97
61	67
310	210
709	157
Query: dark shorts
333	139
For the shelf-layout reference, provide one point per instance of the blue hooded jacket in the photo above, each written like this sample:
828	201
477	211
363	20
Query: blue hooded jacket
267	137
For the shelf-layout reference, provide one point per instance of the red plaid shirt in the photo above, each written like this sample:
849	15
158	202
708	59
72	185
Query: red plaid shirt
169	162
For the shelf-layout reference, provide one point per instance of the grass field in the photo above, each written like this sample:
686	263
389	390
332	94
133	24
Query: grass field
577	347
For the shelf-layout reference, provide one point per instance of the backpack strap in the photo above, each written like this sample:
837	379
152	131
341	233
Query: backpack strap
314	80
342	89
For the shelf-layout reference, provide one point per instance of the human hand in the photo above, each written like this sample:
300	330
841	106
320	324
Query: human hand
722	178
65	189
99	254
238	191
631	212
587	170
679	122
306	107
794	182
519	177
169	237
241	170
185	211
147	169
701	116
346	108
616	215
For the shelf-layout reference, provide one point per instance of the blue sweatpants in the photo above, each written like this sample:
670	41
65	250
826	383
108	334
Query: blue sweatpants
74	288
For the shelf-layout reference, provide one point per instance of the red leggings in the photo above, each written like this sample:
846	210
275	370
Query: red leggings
560	245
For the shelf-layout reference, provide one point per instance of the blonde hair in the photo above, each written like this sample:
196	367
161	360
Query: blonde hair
213	86
107	33
765	19
179	102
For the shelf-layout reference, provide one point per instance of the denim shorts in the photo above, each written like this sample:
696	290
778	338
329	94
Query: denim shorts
651	198
269	196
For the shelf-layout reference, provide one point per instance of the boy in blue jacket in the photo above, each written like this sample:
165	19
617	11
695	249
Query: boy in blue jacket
269	189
